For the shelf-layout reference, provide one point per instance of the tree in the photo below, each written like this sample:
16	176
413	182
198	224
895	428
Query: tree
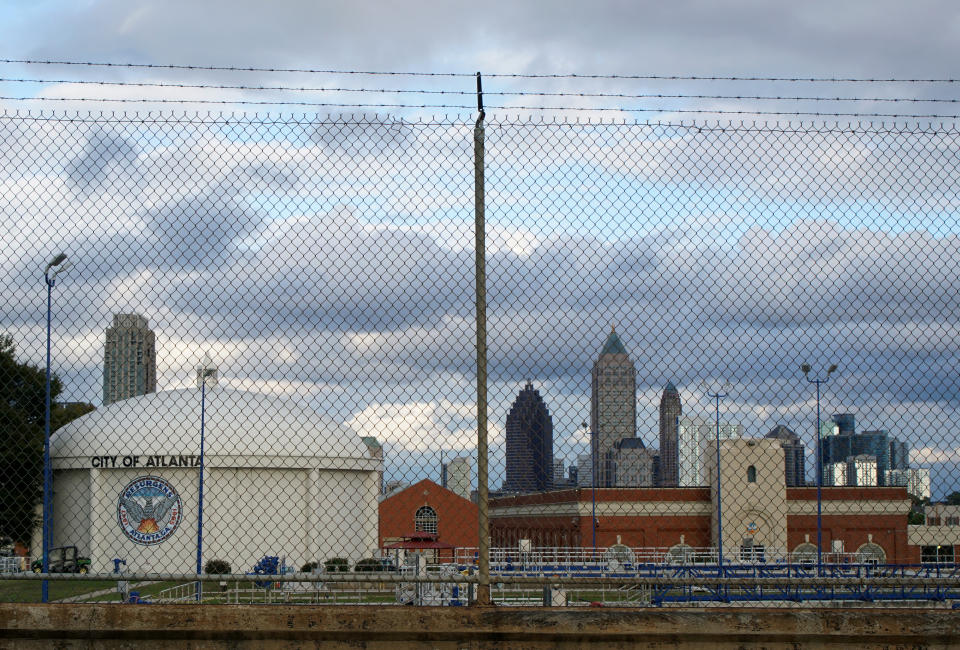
954	498
22	408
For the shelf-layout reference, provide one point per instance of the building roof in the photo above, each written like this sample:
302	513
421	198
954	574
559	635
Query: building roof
781	432
613	345
670	388
236	423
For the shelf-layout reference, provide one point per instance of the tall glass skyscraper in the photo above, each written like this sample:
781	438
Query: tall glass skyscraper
670	411
129	359
846	443
529	444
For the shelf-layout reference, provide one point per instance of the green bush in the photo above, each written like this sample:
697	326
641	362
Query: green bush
308	567
336	565
217	567
368	564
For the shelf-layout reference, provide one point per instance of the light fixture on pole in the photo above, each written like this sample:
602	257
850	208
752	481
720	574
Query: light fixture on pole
716	391
206	372
55	267
818	380
593	484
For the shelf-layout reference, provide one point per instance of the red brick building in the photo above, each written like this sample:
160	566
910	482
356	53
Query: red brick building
664	517
428	508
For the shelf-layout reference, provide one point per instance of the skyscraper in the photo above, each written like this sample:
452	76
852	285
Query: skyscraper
696	439
670	410
529	444
129	359
843	443
613	406
793	455
456	476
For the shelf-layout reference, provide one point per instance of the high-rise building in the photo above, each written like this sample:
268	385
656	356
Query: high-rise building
634	464
613	406
456	476
899	454
696	439
862	470
529	444
585	470
670	411
794	463
129	359
558	471
842	442
917	481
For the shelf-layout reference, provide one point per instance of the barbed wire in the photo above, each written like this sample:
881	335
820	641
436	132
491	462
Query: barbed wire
736	78
744	126
498	93
704	111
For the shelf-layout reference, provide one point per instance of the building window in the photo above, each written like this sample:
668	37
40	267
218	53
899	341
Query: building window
751	474
871	553
937	554
953	521
425	520
805	554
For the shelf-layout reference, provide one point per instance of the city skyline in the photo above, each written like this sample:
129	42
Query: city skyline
670	402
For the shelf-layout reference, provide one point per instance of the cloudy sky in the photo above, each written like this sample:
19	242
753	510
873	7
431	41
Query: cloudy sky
330	259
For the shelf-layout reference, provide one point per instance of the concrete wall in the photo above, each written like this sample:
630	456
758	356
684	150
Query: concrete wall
260	626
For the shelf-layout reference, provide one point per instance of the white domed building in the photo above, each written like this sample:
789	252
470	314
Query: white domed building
280	479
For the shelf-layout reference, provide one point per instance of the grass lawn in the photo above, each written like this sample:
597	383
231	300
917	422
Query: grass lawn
28	591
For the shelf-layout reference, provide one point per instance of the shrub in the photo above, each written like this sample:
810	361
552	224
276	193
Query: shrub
368	564
308	567
217	567
336	564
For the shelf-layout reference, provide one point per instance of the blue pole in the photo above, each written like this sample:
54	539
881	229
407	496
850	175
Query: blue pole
819	491
817	381
593	512
203	407
47	472
719	495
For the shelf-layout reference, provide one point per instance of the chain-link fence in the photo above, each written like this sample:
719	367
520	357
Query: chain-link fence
264	349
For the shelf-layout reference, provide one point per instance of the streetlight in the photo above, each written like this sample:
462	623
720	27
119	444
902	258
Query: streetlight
50	276
206	371
593	483
722	390
818	380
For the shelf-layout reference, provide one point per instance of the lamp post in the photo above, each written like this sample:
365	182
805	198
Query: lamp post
50	276
720	391
818	380
205	371
593	484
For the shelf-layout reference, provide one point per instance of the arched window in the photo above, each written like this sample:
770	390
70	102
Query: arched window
871	553
425	521
805	554
751	474
679	554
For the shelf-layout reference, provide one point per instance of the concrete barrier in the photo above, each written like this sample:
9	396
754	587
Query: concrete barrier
267	626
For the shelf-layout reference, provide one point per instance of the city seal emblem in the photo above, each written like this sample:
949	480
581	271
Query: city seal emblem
149	510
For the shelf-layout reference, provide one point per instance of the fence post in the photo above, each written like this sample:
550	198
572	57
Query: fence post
483	560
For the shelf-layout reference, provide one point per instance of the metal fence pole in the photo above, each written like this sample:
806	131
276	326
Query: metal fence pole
483	588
